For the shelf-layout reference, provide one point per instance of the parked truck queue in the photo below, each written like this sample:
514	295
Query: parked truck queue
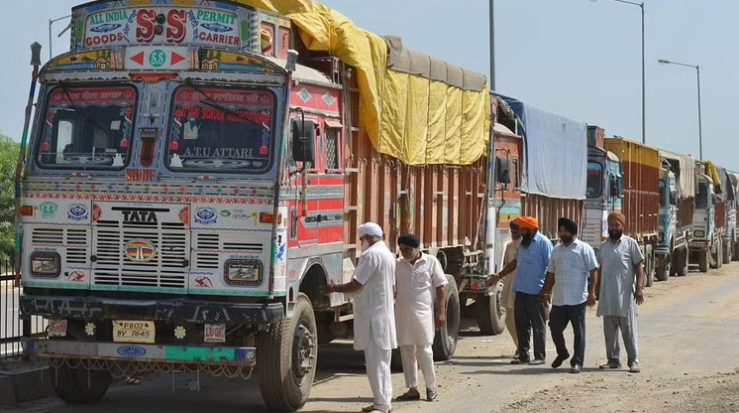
195	175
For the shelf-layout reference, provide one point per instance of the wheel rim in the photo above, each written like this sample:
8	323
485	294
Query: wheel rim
303	352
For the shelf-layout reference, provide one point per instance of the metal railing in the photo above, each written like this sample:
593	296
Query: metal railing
11	325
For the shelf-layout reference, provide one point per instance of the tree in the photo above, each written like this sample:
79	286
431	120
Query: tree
9	151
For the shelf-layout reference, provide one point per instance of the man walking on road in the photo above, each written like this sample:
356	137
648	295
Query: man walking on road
374	318
571	263
418	278
531	262
621	282
508	297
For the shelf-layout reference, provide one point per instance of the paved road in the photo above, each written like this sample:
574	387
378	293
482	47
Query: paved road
687	327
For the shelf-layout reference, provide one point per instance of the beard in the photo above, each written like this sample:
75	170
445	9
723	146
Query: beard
566	240
526	239
615	235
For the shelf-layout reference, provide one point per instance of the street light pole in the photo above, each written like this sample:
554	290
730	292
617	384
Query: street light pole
643	69
51	23
492	44
700	119
700	116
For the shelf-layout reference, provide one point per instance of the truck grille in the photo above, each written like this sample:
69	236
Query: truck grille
167	269
74	240
209	246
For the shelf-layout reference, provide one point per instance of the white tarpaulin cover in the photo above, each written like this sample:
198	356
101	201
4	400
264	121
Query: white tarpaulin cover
556	151
686	172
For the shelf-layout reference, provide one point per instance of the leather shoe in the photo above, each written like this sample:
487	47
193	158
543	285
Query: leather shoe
576	369
559	360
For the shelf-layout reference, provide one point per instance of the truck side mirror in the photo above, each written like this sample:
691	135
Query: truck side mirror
615	189
503	169
304	141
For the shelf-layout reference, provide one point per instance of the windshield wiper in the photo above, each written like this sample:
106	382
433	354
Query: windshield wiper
81	112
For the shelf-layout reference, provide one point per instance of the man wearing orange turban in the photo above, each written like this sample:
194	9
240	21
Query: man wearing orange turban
530	263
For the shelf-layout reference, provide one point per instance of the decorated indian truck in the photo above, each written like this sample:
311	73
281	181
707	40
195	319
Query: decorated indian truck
709	219
603	193
677	205
197	171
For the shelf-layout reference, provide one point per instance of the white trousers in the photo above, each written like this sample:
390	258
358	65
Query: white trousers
412	357
379	374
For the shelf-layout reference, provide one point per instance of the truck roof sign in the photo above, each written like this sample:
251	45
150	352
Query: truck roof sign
170	22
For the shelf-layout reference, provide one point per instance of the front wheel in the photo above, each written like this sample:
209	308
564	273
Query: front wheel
663	268
680	263
717	255
703	261
489	313
728	250
80	385
445	340
287	354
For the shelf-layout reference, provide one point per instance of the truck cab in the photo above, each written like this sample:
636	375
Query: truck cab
603	196
702	244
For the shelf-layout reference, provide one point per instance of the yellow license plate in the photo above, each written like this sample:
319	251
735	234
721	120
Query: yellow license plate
134	332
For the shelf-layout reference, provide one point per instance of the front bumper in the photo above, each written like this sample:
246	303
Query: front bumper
177	310
144	353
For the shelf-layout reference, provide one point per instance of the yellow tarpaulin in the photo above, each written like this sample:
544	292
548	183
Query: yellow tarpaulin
414	108
712	173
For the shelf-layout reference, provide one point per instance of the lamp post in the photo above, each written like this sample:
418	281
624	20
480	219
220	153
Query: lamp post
700	120
492	44
51	23
643	71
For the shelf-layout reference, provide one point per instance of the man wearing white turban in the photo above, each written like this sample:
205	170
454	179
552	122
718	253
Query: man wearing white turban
374	315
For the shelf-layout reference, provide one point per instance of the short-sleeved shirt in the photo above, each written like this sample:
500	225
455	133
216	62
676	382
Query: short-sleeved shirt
571	266
374	312
414	302
532	262
618	276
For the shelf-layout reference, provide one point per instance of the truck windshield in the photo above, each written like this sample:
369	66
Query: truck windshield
87	128
221	130
701	200
595	180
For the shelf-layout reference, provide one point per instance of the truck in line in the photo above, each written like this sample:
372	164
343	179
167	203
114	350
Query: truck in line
196	174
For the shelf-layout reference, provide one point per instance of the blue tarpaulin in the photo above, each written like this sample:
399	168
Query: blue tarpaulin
555	150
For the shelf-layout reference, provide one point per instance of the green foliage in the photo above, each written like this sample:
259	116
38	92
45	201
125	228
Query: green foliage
9	151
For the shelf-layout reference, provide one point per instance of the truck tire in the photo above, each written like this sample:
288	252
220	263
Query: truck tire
718	256
680	264
489	313
728	249
75	386
703	261
287	354
663	270
649	266
445	340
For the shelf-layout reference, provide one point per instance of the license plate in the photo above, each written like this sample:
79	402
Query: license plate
57	328
134	332
215	333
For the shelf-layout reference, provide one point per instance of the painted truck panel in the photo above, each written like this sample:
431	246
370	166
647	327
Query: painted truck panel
641	166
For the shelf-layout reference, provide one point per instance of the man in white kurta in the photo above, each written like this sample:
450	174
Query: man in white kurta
508	296
419	277
374	318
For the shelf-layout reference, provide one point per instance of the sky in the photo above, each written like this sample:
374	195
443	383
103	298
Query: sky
578	58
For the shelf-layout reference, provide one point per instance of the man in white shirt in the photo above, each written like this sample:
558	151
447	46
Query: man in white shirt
418	278
374	317
508	296
572	262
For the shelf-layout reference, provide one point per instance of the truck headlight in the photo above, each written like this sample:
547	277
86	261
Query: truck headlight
244	272
45	264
